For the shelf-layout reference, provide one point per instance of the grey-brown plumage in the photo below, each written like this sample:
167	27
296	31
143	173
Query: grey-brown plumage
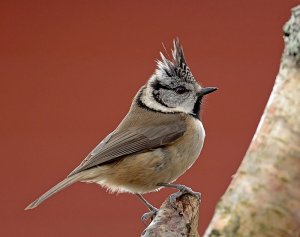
157	141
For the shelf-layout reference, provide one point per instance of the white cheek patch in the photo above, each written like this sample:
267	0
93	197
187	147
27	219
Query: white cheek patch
148	99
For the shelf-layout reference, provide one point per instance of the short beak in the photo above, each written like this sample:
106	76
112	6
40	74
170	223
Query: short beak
206	90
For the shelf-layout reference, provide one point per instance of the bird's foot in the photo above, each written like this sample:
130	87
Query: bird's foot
149	215
152	210
182	190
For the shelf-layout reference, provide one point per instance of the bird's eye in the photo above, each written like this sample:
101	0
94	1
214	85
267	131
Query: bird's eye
180	90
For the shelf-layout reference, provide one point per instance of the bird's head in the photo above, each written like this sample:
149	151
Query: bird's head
173	88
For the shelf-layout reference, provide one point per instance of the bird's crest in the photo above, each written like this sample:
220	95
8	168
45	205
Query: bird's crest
175	67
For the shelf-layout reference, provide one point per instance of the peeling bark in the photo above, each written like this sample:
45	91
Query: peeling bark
264	197
171	222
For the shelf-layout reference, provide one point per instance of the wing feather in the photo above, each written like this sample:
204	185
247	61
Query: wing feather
121	143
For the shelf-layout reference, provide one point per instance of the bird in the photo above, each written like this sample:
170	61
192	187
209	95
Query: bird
158	140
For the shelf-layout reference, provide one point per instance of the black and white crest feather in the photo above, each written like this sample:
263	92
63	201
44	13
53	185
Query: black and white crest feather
175	67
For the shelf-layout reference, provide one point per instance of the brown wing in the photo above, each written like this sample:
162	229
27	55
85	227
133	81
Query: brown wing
119	144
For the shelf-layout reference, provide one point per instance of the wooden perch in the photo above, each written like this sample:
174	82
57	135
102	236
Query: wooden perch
264	197
171	222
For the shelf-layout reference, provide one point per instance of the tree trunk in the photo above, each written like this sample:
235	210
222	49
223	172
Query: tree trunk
264	197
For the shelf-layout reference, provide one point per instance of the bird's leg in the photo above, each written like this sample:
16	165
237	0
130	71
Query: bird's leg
182	190
152	210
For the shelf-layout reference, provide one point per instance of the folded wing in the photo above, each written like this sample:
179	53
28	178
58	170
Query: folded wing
121	143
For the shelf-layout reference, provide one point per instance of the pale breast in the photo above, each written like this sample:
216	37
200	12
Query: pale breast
188	148
199	130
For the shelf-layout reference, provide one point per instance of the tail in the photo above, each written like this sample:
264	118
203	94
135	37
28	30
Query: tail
58	187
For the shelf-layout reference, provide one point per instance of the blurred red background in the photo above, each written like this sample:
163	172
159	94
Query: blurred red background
69	70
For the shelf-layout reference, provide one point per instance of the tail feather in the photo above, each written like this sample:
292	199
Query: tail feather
58	187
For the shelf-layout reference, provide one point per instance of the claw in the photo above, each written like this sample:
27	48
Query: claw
149	215
182	190
152	210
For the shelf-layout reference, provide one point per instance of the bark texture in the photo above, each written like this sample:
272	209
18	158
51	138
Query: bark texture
170	222
263	200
